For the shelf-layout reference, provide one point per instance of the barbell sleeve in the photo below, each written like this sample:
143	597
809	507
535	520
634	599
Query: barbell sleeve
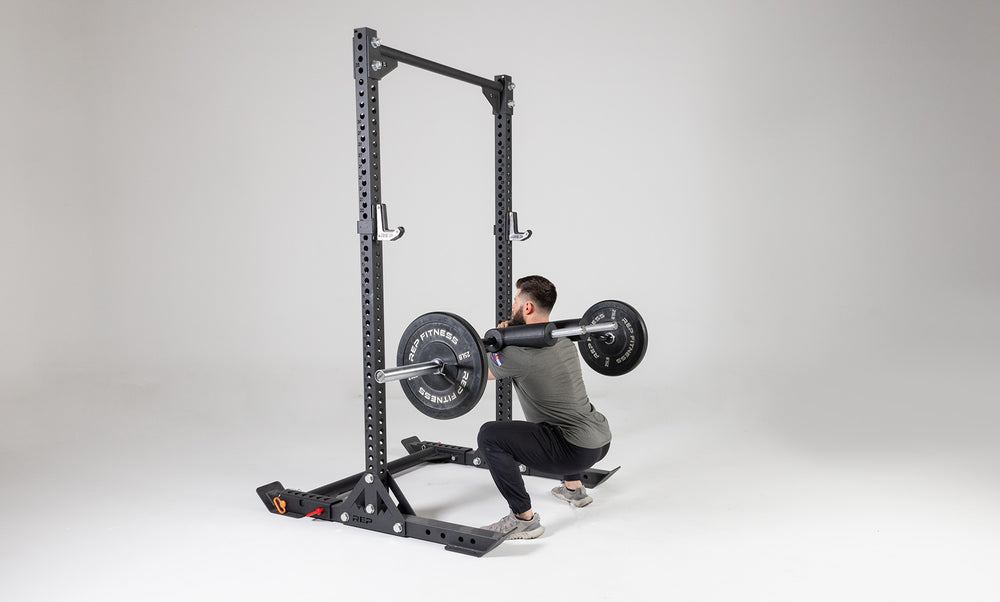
435	366
585	330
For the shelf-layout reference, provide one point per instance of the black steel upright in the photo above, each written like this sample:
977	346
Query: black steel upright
503	113
369	200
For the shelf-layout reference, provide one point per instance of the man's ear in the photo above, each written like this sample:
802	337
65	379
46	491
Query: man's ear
528	308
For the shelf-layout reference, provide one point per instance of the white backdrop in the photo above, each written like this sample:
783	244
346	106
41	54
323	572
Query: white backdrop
801	198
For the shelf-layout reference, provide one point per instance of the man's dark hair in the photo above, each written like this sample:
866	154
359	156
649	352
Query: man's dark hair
541	291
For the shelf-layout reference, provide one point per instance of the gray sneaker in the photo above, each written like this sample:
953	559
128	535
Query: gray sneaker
578	497
518	529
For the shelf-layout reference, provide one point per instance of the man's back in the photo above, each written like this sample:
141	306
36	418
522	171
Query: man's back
549	383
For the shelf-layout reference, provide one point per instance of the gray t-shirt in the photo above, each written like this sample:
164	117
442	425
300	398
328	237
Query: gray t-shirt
549	384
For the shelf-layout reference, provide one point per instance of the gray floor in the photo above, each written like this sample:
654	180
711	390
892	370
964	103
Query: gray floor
738	482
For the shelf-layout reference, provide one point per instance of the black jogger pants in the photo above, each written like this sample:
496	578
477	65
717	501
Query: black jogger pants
539	446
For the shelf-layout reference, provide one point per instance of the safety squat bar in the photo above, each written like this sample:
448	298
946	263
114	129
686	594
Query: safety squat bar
372	499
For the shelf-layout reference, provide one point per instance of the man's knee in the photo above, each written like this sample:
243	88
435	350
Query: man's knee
487	434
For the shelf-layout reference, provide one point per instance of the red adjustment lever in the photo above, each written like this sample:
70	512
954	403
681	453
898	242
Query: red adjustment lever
315	512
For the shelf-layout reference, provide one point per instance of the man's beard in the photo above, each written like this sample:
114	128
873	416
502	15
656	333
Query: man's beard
517	319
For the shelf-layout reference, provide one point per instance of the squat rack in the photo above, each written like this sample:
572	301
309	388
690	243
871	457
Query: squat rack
371	499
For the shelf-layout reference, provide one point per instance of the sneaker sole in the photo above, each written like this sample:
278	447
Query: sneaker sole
578	503
527	534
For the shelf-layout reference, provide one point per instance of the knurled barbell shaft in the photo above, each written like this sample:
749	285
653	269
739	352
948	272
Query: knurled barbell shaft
435	366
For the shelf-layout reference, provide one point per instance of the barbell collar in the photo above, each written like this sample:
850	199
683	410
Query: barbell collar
386	375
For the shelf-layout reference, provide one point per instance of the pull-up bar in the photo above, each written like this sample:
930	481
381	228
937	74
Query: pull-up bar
416	61
499	91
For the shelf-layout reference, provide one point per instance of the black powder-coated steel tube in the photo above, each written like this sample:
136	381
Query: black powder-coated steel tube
416	61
